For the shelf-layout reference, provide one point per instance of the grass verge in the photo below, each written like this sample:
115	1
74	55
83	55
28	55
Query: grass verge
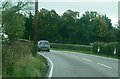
18	61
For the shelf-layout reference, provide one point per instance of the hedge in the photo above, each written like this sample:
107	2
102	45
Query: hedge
71	47
106	48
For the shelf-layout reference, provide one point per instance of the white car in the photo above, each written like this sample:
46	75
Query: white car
43	45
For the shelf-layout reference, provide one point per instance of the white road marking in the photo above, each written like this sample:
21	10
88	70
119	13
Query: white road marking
87	54
87	59
51	69
104	65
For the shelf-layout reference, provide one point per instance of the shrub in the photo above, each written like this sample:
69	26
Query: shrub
18	61
105	48
71	47
96	45
118	49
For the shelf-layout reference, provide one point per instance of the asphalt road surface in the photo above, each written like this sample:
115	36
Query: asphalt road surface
72	64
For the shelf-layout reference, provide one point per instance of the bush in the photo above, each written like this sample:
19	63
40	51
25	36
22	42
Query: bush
105	48
96	45
18	61
30	67
71	47
34	49
118	49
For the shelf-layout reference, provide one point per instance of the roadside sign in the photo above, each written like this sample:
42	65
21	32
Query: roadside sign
98	49
114	51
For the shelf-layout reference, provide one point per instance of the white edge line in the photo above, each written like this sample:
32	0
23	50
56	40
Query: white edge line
87	59
104	65
51	69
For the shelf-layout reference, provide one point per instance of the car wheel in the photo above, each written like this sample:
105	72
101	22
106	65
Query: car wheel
48	50
38	50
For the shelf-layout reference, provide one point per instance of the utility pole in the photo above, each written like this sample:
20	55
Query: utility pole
35	27
36	22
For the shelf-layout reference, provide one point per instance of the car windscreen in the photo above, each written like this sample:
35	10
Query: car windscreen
43	43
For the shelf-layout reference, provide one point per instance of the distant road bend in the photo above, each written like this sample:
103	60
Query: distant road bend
71	64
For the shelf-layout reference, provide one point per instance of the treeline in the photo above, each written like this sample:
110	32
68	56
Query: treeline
71	27
67	28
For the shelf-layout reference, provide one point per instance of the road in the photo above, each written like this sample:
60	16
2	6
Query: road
72	64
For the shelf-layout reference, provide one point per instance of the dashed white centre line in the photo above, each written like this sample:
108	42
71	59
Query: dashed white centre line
105	65
87	59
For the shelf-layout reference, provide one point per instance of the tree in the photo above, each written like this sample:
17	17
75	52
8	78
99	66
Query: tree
86	25
29	27
95	27
68	29
100	29
13	20
118	27
48	25
103	29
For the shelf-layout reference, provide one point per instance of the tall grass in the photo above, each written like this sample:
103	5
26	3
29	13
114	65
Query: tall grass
18	61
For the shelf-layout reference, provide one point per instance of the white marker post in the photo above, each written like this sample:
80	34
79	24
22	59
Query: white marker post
98	49
114	51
